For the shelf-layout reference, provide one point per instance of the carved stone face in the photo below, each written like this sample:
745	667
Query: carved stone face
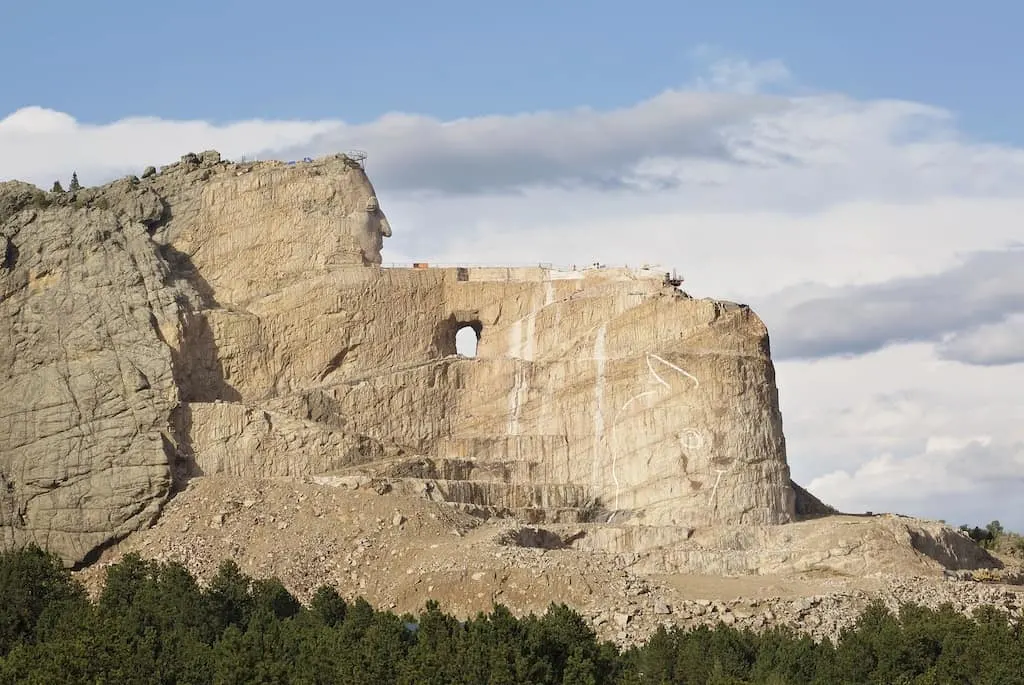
370	227
373	209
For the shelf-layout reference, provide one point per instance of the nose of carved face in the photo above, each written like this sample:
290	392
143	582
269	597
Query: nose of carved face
385	227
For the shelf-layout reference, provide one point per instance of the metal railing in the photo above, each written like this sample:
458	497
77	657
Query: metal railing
358	157
550	266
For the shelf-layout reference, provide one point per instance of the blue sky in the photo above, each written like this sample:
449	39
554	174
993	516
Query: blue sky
223	60
855	174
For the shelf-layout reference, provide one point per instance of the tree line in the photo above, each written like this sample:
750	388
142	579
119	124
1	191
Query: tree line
995	538
153	623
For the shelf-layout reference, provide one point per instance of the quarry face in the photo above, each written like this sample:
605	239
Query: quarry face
218	319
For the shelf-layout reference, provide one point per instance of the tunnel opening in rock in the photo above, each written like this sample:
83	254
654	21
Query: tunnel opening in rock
467	339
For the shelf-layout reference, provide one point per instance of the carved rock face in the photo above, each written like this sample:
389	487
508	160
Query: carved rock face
368	227
233	327
251	230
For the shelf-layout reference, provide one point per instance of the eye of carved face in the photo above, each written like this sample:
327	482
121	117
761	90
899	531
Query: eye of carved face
372	205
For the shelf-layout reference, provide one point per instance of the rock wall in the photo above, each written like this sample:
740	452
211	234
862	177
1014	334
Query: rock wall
86	387
661	405
229	318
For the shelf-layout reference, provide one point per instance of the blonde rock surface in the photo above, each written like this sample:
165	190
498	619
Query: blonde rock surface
222	319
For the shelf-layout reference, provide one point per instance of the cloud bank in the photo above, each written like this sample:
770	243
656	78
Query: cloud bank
974	310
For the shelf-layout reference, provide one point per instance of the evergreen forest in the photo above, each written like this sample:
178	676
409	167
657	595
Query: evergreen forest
153	623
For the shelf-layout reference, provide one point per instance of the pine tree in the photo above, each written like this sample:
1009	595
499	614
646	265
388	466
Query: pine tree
75	185
32	581
57	187
328	606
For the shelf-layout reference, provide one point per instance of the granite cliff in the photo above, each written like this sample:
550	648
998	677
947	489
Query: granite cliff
234	320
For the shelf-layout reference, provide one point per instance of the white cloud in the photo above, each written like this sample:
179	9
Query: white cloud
750	255
938	482
903	429
962	303
849	224
39	145
741	76
730	73
996	343
38	121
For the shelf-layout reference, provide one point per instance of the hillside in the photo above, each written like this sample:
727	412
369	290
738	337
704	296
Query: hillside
209	361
